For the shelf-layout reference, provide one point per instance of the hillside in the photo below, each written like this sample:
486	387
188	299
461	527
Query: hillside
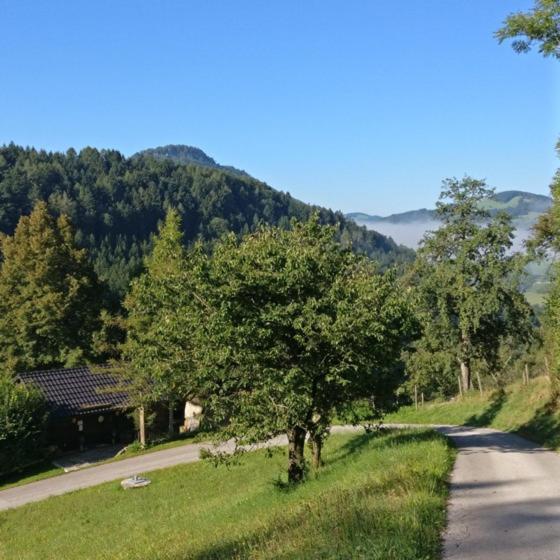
383	496
529	410
179	153
116	203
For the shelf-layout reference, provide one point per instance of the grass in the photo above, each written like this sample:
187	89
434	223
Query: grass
46	469
525	409
39	471
379	496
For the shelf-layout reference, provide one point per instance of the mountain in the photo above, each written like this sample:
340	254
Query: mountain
409	227
180	153
116	203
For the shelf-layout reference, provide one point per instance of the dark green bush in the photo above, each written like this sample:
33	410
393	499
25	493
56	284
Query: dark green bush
23	418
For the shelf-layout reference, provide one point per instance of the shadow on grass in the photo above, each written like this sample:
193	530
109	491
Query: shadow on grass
544	426
485	418
372	519
378	440
37	470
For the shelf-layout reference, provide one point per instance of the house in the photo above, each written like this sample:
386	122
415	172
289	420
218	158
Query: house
87	407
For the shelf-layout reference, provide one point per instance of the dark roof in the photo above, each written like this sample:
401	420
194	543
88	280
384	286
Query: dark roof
78	391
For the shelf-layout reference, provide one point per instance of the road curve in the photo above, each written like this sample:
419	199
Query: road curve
505	498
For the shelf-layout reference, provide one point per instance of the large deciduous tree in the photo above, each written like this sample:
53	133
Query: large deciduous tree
542	26
293	328
49	295
467	280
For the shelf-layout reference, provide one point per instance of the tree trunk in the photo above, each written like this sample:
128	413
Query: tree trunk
465	362
142	426
296	459
316	448
466	375
171	425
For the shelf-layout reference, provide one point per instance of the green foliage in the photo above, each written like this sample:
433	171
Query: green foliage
157	345
540	25
292	328
49	295
467	288
379	497
117	203
23	417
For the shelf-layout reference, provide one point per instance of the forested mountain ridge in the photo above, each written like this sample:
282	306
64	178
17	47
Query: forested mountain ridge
180	153
115	204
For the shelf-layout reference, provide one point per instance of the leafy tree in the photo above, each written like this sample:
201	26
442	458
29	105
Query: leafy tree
467	281
49	295
540	25
292	328
156	350
23	417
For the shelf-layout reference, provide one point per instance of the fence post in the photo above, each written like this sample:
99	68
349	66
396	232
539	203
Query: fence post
142	426
416	397
479	382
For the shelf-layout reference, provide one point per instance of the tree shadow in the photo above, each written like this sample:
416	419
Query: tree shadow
380	439
544	426
486	417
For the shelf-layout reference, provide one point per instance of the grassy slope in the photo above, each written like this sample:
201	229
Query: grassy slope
527	410
46	469
378	497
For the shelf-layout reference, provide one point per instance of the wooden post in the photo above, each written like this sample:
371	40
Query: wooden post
526	374
422	395
479	382
547	369
460	386
142	426
171	420
416	397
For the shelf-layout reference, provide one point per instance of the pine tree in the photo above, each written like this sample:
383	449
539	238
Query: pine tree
156	349
49	295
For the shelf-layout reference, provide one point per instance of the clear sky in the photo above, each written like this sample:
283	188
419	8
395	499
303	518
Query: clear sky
353	104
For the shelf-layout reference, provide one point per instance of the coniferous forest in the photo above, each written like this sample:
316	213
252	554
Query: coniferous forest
115	204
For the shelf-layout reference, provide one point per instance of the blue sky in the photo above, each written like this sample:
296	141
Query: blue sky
352	104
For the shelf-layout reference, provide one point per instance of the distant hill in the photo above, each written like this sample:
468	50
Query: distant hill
180	153
115	203
409	227
518	204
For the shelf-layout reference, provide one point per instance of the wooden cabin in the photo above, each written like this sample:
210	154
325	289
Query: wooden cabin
87	407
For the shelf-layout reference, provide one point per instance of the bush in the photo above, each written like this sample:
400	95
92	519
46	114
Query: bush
23	418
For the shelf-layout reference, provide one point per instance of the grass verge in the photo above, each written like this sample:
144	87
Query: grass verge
525	409
46	469
378	497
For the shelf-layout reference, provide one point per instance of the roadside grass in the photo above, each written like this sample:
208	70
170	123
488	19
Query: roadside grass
46	469
379	496
525	409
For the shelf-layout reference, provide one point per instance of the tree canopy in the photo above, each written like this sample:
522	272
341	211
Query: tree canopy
467	284
292	329
540	25
116	204
49	295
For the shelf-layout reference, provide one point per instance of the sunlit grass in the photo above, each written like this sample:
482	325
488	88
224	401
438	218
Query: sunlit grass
378	497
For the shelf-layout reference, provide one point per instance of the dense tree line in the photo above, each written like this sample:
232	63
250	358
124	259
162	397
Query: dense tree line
115	204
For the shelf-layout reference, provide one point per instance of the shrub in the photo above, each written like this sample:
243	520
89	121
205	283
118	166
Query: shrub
23	417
